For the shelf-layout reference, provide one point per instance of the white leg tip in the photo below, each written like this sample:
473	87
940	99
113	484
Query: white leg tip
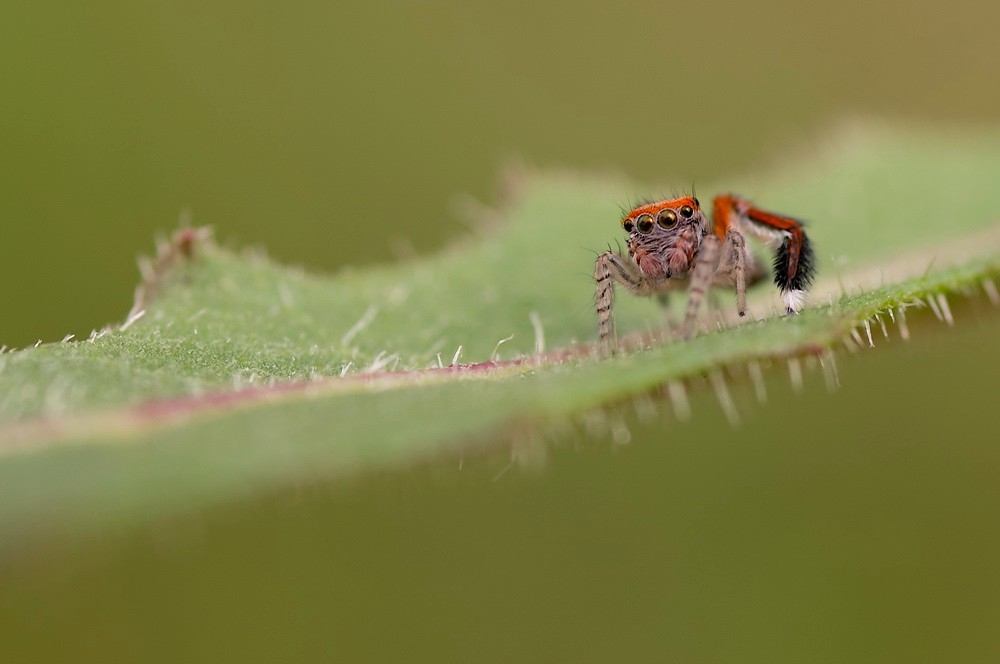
794	300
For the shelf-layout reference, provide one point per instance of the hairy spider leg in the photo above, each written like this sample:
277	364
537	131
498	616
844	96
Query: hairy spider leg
609	268
793	260
705	266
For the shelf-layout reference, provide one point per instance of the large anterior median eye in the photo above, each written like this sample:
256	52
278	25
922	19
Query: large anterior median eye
644	223
667	218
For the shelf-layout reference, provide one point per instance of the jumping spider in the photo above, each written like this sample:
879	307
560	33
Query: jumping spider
672	243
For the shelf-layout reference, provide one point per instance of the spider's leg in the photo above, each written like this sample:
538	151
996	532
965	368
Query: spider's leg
701	278
733	261
793	261
609	268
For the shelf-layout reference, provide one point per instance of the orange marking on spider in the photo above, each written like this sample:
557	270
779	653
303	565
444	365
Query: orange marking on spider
673	245
654	208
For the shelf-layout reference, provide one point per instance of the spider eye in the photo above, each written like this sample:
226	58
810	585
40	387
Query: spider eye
627	225
644	223
686	211
667	218
696	203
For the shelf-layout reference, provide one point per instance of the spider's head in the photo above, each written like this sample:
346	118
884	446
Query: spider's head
664	236
663	219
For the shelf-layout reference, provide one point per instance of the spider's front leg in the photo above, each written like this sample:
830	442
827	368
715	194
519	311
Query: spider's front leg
705	266
609	268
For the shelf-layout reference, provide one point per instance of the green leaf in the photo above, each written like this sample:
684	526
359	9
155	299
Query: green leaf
234	373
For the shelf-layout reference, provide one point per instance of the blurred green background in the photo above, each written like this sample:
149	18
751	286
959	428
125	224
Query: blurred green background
341	133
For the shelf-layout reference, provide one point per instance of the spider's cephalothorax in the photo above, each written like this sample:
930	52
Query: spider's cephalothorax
664	239
671	245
